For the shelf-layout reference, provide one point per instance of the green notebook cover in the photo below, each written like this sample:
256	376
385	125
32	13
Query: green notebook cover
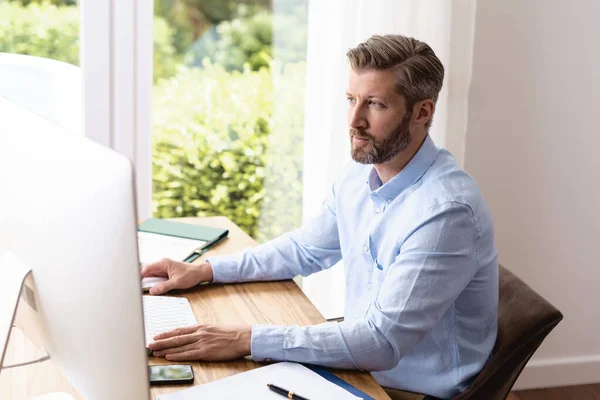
182	230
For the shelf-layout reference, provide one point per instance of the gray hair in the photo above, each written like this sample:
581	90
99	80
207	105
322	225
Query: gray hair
419	71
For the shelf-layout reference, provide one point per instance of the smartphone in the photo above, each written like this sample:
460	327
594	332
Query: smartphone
170	374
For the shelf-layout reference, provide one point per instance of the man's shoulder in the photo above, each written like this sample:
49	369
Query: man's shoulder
445	183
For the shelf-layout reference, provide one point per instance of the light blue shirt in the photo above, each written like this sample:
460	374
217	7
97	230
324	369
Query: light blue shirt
421	277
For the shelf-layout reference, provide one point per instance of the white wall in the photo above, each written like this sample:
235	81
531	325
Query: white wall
532	144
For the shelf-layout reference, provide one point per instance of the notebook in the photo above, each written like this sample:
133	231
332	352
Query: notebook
160	238
253	385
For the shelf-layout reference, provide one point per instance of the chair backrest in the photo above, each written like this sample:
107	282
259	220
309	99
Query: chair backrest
524	319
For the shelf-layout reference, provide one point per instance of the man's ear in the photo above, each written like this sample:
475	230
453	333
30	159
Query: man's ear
423	112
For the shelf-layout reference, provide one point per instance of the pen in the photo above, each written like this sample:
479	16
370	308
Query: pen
195	254
202	249
286	393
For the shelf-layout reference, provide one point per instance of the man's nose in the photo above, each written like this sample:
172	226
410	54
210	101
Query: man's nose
356	118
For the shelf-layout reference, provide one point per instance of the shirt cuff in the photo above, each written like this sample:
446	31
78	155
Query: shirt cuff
266	342
225	268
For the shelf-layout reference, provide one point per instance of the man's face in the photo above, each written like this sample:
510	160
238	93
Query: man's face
377	116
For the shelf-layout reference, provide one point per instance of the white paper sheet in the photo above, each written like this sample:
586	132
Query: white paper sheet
253	385
153	247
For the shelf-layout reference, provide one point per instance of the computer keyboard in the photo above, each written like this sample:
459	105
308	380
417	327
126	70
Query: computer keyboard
163	313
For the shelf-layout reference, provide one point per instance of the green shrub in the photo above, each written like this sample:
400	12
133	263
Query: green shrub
165	59
236	44
42	30
210	136
46	30
216	144
254	38
191	18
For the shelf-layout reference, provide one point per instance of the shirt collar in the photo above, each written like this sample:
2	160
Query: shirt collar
412	172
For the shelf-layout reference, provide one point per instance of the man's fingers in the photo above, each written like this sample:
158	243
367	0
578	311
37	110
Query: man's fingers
190	355
184	330
172	342
194	345
158	268
163	287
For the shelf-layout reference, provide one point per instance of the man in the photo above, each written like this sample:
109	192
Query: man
412	228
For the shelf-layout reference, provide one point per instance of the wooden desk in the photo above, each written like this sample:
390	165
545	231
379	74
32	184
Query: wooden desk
249	303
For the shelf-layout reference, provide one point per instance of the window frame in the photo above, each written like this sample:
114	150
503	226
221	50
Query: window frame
116	61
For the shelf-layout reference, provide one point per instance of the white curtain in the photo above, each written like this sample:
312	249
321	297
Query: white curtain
334	27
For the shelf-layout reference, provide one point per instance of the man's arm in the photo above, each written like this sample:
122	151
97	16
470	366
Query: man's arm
434	266
312	248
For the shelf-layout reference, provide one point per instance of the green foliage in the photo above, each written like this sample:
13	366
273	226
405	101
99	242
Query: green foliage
165	58
180	19
192	18
254	38
46	30
55	2
210	131
42	30
214	148
236	43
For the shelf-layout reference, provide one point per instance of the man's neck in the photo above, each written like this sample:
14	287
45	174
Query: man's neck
391	168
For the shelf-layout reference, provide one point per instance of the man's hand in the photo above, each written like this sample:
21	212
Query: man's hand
203	342
180	275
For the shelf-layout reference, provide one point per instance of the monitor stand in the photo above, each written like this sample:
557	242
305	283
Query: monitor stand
13	273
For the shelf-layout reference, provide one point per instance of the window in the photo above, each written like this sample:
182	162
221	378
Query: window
228	111
40	28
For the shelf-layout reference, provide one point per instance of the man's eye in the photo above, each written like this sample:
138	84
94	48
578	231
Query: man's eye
376	104
351	100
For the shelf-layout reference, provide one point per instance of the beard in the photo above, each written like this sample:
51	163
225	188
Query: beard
378	151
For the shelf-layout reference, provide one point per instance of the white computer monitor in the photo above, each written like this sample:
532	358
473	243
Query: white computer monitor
67	211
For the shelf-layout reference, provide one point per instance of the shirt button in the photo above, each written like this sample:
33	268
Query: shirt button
366	248
389	201
369	286
378	210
